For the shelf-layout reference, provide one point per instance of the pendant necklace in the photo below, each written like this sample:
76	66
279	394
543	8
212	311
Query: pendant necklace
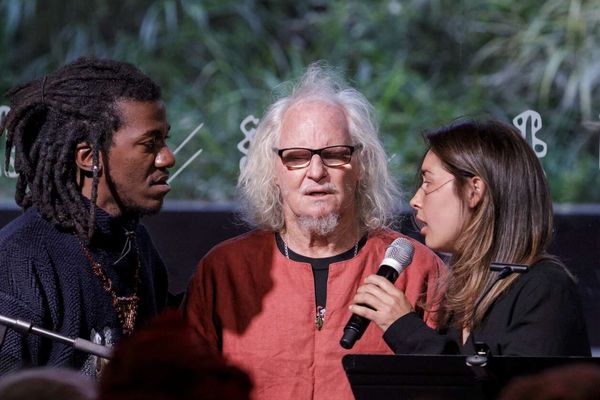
320	314
126	307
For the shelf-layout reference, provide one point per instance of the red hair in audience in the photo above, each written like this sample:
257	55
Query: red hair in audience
164	361
568	382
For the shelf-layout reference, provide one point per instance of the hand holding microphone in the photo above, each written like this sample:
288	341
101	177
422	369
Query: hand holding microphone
378	294
379	301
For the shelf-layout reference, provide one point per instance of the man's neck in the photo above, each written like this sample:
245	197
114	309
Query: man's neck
311	244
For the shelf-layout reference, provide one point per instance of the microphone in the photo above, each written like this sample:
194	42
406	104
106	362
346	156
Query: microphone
397	257
78	343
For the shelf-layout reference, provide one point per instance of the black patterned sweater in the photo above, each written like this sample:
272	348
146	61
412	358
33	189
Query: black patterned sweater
46	279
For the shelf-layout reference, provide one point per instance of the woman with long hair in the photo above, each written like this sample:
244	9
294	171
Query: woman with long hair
484	200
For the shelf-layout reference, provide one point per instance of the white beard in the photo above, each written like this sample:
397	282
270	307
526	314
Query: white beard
321	226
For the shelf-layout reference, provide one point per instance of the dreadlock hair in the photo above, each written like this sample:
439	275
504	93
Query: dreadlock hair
49	116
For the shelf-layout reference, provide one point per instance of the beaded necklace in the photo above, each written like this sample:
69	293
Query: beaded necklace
126	307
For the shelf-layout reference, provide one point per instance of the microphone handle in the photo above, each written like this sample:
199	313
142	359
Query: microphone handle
357	325
389	273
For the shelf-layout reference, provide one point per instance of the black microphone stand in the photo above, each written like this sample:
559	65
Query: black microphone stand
26	328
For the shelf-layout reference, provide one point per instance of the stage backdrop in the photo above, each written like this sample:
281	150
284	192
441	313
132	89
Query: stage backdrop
220	63
184	232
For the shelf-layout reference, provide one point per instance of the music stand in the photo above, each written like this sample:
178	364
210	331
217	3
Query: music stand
428	377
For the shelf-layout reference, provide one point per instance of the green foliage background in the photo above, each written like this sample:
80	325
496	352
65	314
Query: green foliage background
421	63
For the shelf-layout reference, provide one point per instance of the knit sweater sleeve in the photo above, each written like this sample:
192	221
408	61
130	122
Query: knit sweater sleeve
21	297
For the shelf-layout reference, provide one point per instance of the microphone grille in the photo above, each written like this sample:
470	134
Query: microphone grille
401	250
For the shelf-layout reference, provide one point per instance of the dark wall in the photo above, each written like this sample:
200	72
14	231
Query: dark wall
577	243
184	235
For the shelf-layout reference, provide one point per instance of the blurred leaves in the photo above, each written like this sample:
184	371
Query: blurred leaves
422	63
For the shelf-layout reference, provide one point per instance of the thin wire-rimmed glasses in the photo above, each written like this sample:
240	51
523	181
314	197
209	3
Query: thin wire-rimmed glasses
331	156
428	192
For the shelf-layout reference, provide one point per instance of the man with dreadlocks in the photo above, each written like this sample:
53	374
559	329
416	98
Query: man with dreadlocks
91	158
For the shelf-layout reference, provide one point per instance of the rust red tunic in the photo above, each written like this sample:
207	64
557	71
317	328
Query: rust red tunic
258	308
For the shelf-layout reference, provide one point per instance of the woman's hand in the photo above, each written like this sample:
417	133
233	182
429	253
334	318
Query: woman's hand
380	301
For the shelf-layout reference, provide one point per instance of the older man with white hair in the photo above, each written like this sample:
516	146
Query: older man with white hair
316	186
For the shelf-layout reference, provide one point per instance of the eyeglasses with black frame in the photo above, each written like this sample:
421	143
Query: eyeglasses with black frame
331	156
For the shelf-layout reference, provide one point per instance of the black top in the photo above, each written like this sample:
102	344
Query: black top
539	315
320	266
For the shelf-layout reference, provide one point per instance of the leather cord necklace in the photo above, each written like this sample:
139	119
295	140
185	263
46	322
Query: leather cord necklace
287	252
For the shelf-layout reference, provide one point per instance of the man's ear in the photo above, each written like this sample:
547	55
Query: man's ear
85	160
475	190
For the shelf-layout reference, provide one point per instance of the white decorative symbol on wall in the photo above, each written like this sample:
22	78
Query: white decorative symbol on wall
189	160
248	132
10	172
533	120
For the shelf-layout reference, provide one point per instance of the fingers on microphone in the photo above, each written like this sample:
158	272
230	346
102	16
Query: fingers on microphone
379	281
363	311
374	298
368	292
383	284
